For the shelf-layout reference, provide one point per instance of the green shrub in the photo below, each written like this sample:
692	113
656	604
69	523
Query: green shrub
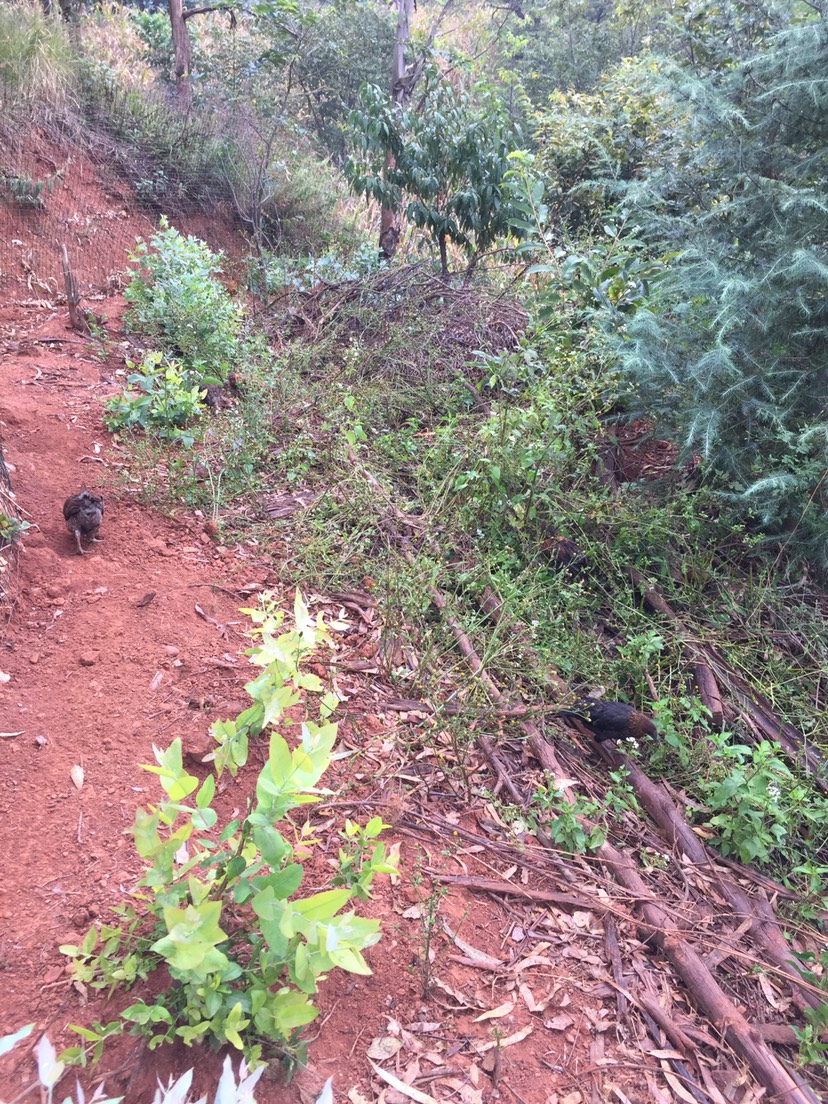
729	351
240	954
448	167
176	298
346	46
164	397
11	527
155	32
760	810
306	193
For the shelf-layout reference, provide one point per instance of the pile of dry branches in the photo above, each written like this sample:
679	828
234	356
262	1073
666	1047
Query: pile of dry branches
450	324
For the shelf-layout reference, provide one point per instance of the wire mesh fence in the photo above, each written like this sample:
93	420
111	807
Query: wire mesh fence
94	192
48	198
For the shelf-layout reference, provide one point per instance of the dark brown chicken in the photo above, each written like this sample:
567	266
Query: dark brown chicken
563	552
610	720
83	513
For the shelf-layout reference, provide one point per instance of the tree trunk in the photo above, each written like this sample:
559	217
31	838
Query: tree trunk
403	81
77	316
400	92
181	51
470	270
444	269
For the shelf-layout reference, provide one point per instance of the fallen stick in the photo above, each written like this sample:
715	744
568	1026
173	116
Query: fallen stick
543	896
764	929
708	994
449	708
708	692
614	957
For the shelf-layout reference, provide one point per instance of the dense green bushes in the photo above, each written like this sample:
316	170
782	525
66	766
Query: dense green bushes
176	298
178	303
733	348
722	179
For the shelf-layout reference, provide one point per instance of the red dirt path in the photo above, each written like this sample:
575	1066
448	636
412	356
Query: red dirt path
93	674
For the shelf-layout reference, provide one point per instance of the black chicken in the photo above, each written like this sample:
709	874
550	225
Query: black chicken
610	720
563	552
83	513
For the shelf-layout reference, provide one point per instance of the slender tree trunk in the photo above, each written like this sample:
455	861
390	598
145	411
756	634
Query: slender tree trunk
400	91
475	257
181	51
403	81
444	268
77	316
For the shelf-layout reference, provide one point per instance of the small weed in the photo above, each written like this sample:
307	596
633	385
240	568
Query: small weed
27	192
11	528
620	796
813	1050
163	397
154	188
430	926
548	807
361	857
758	806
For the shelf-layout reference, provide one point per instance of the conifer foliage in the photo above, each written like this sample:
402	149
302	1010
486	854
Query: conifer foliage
732	348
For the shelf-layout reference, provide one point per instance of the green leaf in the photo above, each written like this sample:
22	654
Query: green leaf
203	819
192	933
206	792
234	1023
272	845
283	883
90	941
321	906
142	1013
192	1033
175	780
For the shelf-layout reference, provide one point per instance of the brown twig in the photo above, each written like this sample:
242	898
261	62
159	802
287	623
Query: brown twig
614	956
